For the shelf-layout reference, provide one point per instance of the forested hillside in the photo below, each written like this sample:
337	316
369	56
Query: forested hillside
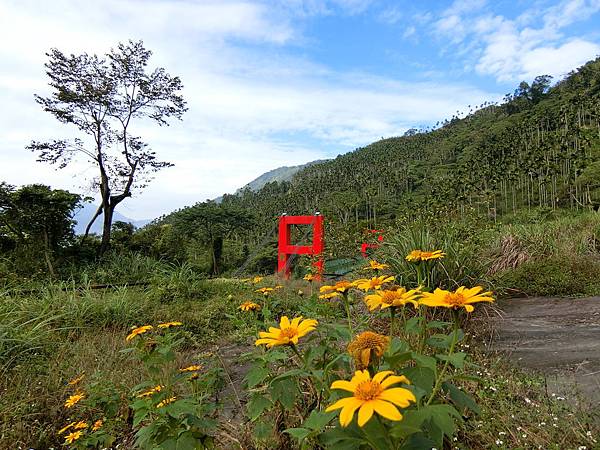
540	147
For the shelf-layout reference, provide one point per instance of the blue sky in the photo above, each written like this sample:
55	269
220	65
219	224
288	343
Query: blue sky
272	83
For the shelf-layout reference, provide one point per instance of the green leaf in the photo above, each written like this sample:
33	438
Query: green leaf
291	373
180	407
456	359
298	433
187	441
257	404
412	325
443	417
349	438
170	444
139	416
256	375
397	345
318	419
425	361
285	392
421	377
436	324
397	359
460	398
467	378
418	442
438	340
376	434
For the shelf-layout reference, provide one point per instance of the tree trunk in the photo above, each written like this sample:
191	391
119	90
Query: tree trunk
108	211
217	252
47	255
89	225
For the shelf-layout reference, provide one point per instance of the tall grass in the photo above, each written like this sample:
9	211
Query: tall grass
462	265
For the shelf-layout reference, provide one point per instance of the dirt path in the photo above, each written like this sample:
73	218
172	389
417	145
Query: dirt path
557	336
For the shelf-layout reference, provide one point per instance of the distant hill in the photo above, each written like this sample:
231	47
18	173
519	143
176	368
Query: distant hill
279	175
84	215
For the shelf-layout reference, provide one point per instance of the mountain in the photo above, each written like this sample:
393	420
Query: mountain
279	175
85	214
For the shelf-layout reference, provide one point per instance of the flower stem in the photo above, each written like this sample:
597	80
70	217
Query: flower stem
392	317
298	354
347	307
438	381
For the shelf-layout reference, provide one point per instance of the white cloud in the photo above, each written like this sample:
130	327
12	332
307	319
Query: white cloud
391	15
252	107
558	61
511	50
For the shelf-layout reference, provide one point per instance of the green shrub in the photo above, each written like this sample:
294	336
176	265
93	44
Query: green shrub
554	276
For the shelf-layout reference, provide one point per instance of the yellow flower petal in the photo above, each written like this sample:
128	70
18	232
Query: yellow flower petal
365	413
386	410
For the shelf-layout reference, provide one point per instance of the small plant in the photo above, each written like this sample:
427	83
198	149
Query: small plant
171	409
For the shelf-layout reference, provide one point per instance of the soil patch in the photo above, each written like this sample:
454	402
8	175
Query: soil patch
559	337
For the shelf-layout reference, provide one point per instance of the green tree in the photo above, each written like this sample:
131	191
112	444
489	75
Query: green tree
101	97
38	219
211	223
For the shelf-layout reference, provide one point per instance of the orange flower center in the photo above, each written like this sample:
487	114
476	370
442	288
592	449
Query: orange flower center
288	332
455	299
368	390
389	297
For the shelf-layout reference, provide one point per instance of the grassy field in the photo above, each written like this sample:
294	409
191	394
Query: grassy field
52	336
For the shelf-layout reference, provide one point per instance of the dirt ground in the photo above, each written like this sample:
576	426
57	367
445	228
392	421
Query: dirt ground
558	337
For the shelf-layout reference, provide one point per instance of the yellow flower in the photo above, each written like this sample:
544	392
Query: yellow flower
436	254
279	286
152	391
249	306
74	399
330	295
309	277
265	290
461	298
97	425
80	425
169	324
395	297
257	280
374	265
72	437
194	376
420	255
341	286
166	401
373	283
191	368
287	333
62	430
370	396
138	330
366	347
75	381
414	256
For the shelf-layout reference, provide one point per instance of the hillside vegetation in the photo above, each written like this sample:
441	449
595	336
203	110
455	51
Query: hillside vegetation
541	147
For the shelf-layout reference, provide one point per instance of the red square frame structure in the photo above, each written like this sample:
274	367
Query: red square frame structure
287	248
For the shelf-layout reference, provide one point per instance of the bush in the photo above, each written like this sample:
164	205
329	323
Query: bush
554	276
